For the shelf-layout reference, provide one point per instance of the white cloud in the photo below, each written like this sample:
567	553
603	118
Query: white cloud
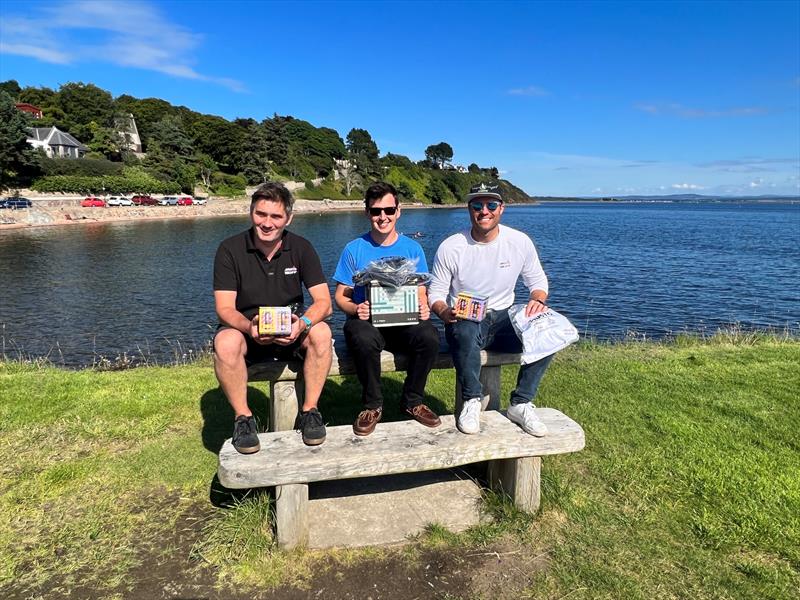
686	186
531	90
686	112
85	31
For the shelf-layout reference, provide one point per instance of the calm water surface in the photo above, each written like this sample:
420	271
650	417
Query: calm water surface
78	293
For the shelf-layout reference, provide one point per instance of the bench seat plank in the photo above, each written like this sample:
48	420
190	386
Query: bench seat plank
397	447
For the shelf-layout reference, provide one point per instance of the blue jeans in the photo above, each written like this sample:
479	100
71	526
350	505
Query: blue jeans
466	340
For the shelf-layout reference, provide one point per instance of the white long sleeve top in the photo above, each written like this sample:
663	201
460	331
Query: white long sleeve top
491	269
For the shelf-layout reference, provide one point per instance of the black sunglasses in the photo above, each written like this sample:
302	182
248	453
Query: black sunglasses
376	212
478	206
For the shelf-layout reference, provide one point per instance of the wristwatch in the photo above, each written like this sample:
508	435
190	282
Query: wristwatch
307	321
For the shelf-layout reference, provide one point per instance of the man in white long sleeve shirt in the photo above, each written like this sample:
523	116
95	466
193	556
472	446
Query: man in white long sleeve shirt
487	260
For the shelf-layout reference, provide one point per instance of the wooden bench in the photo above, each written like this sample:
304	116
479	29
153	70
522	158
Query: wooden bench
394	448
397	447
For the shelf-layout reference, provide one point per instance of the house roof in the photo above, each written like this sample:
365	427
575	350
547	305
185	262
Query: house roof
54	137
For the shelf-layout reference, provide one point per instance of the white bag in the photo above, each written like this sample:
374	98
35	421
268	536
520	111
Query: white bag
543	334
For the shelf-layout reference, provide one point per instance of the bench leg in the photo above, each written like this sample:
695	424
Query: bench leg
291	515
490	383
286	398
520	478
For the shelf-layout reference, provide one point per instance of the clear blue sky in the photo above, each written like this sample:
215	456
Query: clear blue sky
565	98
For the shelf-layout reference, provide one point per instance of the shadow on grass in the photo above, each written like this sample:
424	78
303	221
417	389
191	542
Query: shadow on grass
340	404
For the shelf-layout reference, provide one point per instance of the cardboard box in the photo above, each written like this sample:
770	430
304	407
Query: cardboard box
274	320
470	307
393	306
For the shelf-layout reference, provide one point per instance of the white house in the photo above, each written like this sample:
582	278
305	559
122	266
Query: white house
55	142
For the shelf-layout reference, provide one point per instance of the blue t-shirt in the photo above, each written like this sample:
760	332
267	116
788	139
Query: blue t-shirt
358	254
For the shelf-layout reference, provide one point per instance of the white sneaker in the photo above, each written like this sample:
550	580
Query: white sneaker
525	416
469	421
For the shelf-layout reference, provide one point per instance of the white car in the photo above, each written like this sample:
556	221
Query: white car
200	201
168	201
119	201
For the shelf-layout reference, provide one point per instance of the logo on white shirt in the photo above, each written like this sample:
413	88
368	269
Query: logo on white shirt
290	270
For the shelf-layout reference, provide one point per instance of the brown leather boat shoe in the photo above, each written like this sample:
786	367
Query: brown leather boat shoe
367	420
424	415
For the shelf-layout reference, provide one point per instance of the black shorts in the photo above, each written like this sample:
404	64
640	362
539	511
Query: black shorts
259	353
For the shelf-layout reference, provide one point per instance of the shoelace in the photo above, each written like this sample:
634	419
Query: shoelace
369	415
312	418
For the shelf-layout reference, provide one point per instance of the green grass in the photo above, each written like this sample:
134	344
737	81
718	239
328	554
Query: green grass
689	485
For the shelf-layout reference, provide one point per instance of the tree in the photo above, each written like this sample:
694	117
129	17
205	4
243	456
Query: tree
363	151
255	159
17	159
83	104
11	87
439	154
106	141
437	191
172	137
474	168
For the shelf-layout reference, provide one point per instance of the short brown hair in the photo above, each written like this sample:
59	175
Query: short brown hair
276	192
378	190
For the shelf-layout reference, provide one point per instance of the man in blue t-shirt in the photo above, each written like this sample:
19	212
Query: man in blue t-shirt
365	341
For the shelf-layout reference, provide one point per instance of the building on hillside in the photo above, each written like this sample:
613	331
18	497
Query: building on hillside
126	127
55	143
30	109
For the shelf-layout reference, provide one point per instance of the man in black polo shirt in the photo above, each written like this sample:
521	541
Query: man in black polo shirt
267	266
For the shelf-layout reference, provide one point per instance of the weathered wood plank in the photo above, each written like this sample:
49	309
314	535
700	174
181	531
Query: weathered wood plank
343	364
291	515
399	447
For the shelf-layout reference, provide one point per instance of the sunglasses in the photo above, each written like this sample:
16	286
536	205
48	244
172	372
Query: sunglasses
478	206
376	212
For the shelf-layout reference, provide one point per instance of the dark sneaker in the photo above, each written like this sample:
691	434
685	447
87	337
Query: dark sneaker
423	414
367	420
245	435
312	427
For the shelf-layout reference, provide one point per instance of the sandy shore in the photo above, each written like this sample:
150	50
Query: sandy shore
48	213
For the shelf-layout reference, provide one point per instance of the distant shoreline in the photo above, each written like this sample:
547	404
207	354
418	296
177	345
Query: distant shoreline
68	212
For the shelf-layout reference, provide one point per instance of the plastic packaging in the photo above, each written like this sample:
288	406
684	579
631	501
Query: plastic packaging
543	334
391	271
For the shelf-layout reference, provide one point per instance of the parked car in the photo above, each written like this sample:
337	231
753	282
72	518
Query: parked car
168	201
185	201
200	201
144	201
119	201
93	201
15	202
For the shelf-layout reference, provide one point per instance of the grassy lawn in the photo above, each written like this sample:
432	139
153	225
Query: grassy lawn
689	486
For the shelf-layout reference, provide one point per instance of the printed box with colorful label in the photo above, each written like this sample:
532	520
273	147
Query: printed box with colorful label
393	306
274	320
470	307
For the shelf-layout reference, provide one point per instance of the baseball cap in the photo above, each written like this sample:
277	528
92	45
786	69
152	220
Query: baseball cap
484	191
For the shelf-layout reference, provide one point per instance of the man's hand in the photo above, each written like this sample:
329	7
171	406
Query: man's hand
535	307
444	312
298	327
424	311
362	310
264	340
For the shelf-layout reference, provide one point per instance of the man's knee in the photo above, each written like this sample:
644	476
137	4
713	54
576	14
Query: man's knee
425	338
319	339
229	346
463	333
363	335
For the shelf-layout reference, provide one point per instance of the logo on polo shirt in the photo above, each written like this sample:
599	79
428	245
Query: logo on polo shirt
505	264
290	270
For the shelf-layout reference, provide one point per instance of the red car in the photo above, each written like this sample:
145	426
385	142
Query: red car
93	201
144	201
185	201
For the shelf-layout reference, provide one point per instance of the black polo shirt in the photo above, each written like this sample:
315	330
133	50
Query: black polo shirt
241	267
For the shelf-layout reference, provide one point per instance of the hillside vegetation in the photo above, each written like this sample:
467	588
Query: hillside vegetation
183	148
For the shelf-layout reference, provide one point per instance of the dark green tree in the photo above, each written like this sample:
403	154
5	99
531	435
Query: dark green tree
11	87
439	154
106	141
83	104
17	158
41	97
474	168
437	191
171	136
363	150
